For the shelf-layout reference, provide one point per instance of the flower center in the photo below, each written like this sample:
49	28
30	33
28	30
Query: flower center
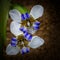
21	41
27	20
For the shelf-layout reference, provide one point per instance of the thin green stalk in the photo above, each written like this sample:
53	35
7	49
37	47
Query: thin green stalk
4	8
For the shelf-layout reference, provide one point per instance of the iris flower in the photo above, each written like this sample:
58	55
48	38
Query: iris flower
17	19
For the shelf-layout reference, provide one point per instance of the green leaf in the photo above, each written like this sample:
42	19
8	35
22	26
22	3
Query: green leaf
21	8
4	8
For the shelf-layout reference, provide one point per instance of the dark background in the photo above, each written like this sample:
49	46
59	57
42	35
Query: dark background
49	31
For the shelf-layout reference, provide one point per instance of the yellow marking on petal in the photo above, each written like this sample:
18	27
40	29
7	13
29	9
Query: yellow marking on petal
21	39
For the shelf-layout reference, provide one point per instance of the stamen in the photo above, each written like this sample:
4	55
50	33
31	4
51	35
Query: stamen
24	50
27	15
28	36
13	41
36	25
23	29
22	16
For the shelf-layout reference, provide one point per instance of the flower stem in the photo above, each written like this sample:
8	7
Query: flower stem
4	8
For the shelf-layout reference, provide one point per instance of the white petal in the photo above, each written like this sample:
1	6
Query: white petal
10	50
14	28
15	15
36	42
31	30
37	11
